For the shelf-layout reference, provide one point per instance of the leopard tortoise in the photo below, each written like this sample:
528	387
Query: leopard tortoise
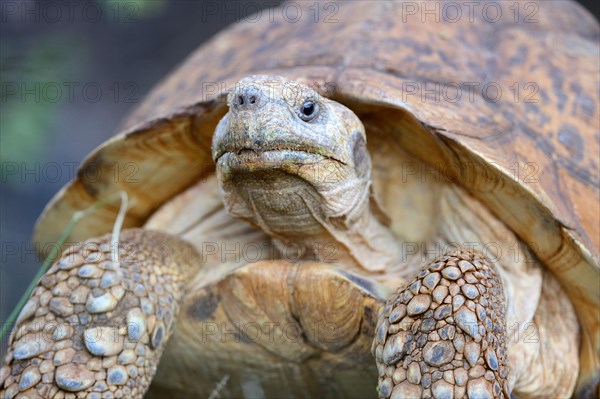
374	203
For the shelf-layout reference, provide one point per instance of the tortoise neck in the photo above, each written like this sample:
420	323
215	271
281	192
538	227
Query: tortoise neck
352	235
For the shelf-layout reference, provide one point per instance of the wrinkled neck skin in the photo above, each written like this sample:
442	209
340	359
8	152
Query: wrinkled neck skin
338	224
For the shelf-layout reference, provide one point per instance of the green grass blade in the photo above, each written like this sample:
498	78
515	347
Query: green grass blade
50	259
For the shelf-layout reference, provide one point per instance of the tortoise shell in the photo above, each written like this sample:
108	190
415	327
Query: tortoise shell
506	105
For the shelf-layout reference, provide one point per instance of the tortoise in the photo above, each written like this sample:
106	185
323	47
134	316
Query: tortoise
309	221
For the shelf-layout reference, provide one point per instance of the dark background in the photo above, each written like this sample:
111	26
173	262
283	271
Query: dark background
121	48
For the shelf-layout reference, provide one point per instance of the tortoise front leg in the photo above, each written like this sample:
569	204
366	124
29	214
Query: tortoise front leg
94	328
444	335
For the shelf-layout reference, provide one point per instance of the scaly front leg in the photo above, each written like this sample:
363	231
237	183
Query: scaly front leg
444	335
95	328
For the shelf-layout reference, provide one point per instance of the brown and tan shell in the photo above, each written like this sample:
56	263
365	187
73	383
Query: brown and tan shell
532	159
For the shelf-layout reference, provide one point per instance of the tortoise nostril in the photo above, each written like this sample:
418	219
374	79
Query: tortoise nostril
247	99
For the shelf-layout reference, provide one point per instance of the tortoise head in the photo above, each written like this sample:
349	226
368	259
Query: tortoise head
285	155
277	124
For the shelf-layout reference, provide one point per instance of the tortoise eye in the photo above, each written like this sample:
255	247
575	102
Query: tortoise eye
308	110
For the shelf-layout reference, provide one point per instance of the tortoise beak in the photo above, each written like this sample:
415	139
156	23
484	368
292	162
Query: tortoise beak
242	134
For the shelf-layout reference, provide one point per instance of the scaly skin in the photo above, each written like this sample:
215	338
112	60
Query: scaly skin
93	328
445	335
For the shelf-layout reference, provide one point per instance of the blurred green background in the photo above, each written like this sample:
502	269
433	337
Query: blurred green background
69	73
